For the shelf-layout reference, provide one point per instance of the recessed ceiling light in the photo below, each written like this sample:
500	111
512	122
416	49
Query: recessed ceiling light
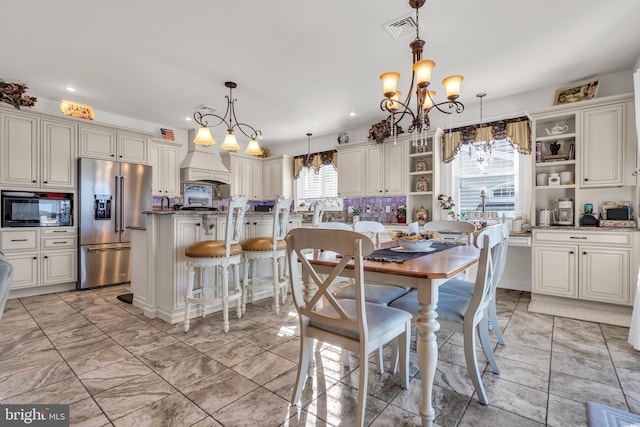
188	119
70	89
352	114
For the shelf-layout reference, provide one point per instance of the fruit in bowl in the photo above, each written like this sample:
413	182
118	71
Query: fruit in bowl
416	242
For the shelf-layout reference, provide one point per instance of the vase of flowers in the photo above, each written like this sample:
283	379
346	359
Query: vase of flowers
356	215
401	214
447	204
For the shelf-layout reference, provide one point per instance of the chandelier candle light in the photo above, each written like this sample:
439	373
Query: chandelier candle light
230	143
421	76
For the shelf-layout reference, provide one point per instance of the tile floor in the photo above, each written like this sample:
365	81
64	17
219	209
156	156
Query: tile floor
116	367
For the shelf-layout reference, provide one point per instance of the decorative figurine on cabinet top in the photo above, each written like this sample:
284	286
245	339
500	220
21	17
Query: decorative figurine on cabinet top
421	166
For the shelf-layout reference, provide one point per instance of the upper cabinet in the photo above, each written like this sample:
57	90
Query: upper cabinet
164	158
277	174
351	171
246	175
37	152
109	144
603	146
385	169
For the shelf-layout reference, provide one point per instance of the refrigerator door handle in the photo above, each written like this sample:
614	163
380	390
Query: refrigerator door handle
117	208
122	226
110	248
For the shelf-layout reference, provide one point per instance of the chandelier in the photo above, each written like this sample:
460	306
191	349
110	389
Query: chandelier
480	142
231	122
421	77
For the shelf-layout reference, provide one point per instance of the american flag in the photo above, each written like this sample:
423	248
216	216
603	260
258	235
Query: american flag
167	134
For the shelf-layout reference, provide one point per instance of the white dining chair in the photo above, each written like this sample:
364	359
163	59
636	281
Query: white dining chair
335	226
465	288
462	230
373	229
468	316
318	211
5	280
354	325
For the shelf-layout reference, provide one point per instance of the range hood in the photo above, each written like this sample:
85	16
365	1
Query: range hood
203	163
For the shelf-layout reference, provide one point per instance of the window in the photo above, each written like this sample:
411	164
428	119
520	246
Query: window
497	176
311	186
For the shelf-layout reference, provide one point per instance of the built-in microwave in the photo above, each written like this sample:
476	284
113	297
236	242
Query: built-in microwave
31	209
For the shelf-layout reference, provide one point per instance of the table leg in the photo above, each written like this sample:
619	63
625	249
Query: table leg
427	325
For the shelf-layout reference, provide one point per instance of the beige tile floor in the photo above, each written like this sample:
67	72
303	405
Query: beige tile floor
116	367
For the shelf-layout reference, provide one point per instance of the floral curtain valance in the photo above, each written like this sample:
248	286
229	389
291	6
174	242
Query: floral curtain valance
517	131
315	160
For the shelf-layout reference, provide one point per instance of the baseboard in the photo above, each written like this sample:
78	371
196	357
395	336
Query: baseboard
581	310
41	290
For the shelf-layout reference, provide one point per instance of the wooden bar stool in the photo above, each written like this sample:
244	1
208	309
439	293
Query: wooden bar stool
220	254
272	248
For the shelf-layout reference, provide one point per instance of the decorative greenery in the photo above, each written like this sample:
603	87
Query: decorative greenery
382	130
14	94
447	203
355	212
401	211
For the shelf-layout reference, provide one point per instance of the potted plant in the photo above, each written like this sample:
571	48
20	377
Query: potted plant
447	204
356	214
401	214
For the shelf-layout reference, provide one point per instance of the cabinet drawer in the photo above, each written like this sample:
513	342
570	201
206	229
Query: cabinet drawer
58	232
619	239
18	240
62	242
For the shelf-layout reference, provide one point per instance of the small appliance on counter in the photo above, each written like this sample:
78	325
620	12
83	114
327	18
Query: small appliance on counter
197	195
588	218
563	212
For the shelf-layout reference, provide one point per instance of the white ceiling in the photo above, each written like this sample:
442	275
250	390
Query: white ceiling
301	66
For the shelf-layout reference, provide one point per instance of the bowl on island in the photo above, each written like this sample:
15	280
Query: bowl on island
415	244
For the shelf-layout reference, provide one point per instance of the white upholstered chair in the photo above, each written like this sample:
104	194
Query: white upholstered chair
354	325
272	248
465	288
468	315
373	229
220	254
5	280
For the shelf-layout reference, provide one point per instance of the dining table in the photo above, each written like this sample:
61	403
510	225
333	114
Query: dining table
425	273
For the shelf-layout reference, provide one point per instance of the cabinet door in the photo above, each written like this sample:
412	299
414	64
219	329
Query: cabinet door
97	143
394	169
25	269
132	148
58	267
155	160
268	189
555	270
171	171
20	148
373	170
246	179
59	142
256	177
351	172
236	176
603	146
604	274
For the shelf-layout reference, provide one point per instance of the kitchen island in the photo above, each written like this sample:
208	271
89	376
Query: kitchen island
159	270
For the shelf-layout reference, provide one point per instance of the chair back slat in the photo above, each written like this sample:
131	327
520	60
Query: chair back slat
237	208
318	210
281	213
488	241
370	228
351	246
464	228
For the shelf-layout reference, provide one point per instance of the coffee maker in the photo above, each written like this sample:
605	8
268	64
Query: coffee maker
563	212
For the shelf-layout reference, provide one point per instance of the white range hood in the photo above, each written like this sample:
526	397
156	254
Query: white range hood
203	163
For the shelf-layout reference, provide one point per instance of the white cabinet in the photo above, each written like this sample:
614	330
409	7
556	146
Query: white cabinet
109	144
164	159
373	170
277	175
592	266
246	175
603	146
37	152
351	167
41	257
385	170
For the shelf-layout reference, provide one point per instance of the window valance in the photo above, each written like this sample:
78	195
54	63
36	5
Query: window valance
517	131
315	160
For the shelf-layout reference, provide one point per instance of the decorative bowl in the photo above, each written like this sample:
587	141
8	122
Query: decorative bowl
416	244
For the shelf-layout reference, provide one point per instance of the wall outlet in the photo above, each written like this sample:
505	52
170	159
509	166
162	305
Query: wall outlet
368	209
387	209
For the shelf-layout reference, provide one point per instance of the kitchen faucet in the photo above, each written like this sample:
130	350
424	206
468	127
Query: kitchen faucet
162	202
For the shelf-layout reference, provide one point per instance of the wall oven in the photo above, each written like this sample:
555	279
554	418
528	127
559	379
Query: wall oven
31	209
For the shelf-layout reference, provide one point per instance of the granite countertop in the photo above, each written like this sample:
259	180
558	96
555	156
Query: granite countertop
594	229
207	212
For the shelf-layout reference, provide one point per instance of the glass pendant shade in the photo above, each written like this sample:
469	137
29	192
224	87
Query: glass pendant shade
452	85
389	83
253	148
392	105
423	71
230	143
428	100
204	137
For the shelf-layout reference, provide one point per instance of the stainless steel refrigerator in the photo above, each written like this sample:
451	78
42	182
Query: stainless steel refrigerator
113	196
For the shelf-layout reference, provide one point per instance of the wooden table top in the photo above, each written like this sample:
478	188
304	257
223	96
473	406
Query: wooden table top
440	265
